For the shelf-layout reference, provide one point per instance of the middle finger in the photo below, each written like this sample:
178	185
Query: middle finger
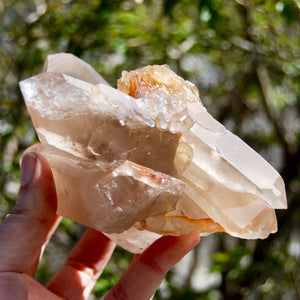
84	265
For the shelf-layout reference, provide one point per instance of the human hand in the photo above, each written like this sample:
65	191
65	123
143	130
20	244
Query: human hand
25	233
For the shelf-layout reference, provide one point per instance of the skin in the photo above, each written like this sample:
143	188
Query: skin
25	233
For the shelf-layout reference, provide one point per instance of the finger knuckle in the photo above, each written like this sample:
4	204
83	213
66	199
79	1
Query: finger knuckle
118	292
152	264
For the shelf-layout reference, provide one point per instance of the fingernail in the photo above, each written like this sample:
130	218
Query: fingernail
27	168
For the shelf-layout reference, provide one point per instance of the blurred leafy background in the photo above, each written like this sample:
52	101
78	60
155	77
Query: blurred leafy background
243	55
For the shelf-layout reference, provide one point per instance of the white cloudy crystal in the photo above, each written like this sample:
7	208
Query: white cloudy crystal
147	159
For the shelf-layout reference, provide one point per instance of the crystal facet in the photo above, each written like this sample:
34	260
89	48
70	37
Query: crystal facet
148	159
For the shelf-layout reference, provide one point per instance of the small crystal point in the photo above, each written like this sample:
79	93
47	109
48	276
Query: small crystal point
73	66
147	159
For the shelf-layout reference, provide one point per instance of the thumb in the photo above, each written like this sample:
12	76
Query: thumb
25	232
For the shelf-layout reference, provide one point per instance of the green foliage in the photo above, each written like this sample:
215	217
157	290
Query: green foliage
243	55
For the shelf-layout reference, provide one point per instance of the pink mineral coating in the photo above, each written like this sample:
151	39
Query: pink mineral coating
158	163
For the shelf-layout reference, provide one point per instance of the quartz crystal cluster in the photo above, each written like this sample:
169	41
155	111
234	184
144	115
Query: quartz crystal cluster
146	159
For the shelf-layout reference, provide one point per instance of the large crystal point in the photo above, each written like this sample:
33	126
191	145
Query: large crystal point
95	143
129	192
147	159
